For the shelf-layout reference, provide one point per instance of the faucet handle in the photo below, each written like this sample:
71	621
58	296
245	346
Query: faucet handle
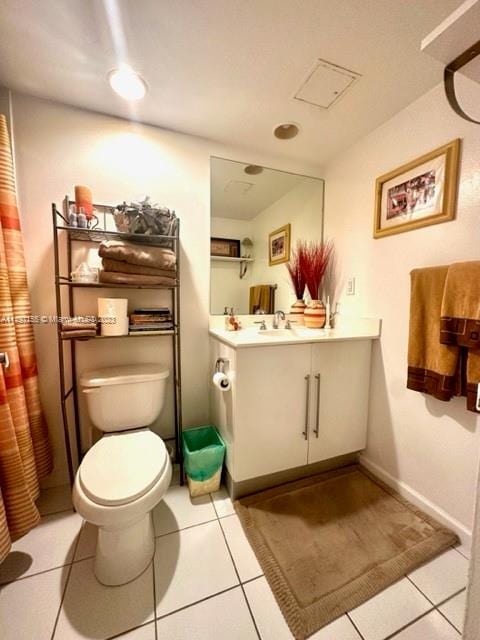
288	323
263	325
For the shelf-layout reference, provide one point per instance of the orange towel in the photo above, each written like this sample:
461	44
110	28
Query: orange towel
460	321
432	366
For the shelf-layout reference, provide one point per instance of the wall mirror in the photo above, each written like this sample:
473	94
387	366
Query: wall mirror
257	216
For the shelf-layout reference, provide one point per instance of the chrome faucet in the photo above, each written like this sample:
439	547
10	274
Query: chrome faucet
278	315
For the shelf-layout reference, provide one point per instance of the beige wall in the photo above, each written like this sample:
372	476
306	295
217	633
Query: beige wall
428	446
227	289
302	207
58	147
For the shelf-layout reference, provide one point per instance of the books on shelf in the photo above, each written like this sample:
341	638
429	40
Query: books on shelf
150	320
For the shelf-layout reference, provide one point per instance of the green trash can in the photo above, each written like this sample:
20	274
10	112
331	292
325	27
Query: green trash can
203	454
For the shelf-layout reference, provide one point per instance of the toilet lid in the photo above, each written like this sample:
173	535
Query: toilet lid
122	466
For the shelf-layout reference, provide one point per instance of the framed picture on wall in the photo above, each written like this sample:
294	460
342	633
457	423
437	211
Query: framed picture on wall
419	193
224	248
279	245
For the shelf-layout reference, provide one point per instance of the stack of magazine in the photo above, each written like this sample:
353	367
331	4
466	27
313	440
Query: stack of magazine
150	320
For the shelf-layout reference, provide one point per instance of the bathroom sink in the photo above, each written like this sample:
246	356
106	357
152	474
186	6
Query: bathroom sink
277	333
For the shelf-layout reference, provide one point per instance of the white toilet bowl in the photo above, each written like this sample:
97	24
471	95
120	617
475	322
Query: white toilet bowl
126	473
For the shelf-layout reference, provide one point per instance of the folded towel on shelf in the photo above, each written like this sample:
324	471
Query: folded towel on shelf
460	321
115	277
79	333
125	267
433	368
78	323
139	254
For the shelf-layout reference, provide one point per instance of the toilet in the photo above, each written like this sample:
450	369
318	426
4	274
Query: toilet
127	472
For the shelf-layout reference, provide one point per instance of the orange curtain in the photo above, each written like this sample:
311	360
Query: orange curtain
25	454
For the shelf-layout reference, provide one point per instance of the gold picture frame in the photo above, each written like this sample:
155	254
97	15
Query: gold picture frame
279	245
419	193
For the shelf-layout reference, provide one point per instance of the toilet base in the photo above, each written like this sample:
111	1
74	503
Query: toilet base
123	553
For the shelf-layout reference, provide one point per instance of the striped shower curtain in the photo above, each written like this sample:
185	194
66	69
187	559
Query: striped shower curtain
25	454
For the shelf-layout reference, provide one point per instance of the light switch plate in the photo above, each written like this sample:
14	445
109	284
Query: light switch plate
351	287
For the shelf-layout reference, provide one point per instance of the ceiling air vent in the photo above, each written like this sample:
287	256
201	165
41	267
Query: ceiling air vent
325	84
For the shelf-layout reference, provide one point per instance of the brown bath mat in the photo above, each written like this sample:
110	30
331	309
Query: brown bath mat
328	543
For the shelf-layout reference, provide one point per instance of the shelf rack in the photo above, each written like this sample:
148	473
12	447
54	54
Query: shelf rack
243	262
62	231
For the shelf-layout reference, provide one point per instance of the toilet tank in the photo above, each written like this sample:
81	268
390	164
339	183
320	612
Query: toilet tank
124	397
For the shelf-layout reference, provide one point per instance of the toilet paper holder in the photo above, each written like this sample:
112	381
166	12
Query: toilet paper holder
221	365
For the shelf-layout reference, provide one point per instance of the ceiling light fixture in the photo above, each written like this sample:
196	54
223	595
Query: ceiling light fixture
253	169
286	131
127	83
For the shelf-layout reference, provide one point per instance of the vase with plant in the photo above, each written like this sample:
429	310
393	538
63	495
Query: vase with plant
314	261
298	283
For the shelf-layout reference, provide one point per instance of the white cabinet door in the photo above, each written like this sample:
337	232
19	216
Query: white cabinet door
339	403
271	409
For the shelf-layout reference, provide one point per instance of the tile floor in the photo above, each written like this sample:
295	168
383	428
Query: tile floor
205	584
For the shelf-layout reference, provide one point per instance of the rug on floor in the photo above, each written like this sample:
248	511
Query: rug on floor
332	541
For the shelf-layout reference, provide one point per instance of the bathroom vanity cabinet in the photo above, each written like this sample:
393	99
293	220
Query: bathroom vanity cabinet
291	405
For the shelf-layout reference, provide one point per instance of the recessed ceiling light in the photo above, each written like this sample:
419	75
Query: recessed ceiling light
253	169
286	131
127	83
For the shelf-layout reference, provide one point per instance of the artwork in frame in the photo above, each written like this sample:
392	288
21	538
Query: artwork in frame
279	245
419	193
224	248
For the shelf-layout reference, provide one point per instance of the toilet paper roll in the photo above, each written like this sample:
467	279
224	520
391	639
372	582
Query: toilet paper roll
221	381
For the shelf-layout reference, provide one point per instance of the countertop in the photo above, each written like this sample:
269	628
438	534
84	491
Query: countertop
361	329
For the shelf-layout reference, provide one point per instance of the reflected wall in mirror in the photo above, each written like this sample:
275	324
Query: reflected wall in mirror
248	203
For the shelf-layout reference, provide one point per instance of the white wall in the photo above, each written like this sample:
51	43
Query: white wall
227	289
429	445
57	147
302	207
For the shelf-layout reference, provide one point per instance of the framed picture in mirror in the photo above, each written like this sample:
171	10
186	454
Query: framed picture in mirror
224	248
279	245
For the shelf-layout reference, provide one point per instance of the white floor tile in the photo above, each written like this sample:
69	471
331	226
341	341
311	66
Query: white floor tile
441	577
431	627
271	623
243	555
55	499
178	510
147	632
91	610
49	545
224	616
190	565
28	608
87	543
222	503
454	609
389	611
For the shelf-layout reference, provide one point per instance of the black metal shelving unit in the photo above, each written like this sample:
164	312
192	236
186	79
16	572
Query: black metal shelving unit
62	231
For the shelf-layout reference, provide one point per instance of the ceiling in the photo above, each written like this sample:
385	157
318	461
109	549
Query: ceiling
235	194
227	70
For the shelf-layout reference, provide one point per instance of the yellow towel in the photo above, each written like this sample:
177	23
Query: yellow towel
262	298
460	320
433	368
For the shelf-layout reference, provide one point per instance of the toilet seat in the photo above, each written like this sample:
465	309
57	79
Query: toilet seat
122	467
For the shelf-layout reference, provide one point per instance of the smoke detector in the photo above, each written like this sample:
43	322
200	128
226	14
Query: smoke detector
325	84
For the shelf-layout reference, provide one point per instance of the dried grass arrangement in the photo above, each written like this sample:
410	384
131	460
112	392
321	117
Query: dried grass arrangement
314	258
294	268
